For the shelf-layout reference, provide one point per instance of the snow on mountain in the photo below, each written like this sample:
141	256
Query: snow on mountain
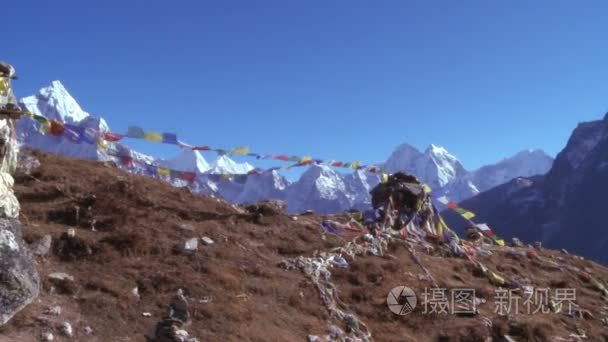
524	164
321	189
56	103
188	161
358	185
268	185
223	164
436	167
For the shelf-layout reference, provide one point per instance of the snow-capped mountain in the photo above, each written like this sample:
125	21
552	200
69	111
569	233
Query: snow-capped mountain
358	185
563	208
268	185
54	102
524	164
223	164
321	189
188	161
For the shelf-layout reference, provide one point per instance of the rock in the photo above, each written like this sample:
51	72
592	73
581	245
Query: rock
59	276
19	280
538	245
66	329
207	241
146	314
178	309
42	246
88	330
564	251
135	293
189	246
267	208
71	248
54	310
71	232
27	163
63	282
517	242
47	337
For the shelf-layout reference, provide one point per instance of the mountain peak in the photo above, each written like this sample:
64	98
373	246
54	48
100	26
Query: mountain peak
223	164
55	102
189	161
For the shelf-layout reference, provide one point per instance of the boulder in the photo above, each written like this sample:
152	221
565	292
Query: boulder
42	246
19	280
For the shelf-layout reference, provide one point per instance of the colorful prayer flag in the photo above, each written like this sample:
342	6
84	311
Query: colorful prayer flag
281	157
153	136
56	128
135	132
113	137
170	138
163	171
188	176
443	200
467	215
242	150
355	165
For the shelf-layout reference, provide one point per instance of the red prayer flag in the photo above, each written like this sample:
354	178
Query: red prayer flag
452	205
107	136
188	176
337	164
126	160
201	148
281	157
56	128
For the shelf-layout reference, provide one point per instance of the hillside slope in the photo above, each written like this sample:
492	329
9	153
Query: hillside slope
235	287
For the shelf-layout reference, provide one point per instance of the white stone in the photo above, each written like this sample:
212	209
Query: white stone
207	240
66	329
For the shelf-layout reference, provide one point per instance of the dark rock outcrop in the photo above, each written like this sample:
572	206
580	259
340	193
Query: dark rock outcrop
19	280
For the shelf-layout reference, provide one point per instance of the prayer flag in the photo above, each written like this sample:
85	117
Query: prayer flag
170	138
56	128
135	132
153	136
242	150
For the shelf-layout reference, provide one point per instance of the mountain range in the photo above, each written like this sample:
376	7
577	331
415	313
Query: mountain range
561	208
320	188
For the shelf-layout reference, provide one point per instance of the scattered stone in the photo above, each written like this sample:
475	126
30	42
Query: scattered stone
185	226
47	337
205	300
146	314
189	246
20	283
517	242
66	329
54	310
42	246
564	251
295	218
207	240
71	232
135	293
538	245
71	248
267	208
60	276
170	328
88	330
307	213
63	282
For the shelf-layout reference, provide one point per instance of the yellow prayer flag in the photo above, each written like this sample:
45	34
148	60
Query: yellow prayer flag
499	241
427	188
153	136
163	171
242	150
225	176
305	159
384	177
3	86
467	215
495	278
45	127
355	165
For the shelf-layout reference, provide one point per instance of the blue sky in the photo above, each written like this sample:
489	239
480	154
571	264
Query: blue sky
334	79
